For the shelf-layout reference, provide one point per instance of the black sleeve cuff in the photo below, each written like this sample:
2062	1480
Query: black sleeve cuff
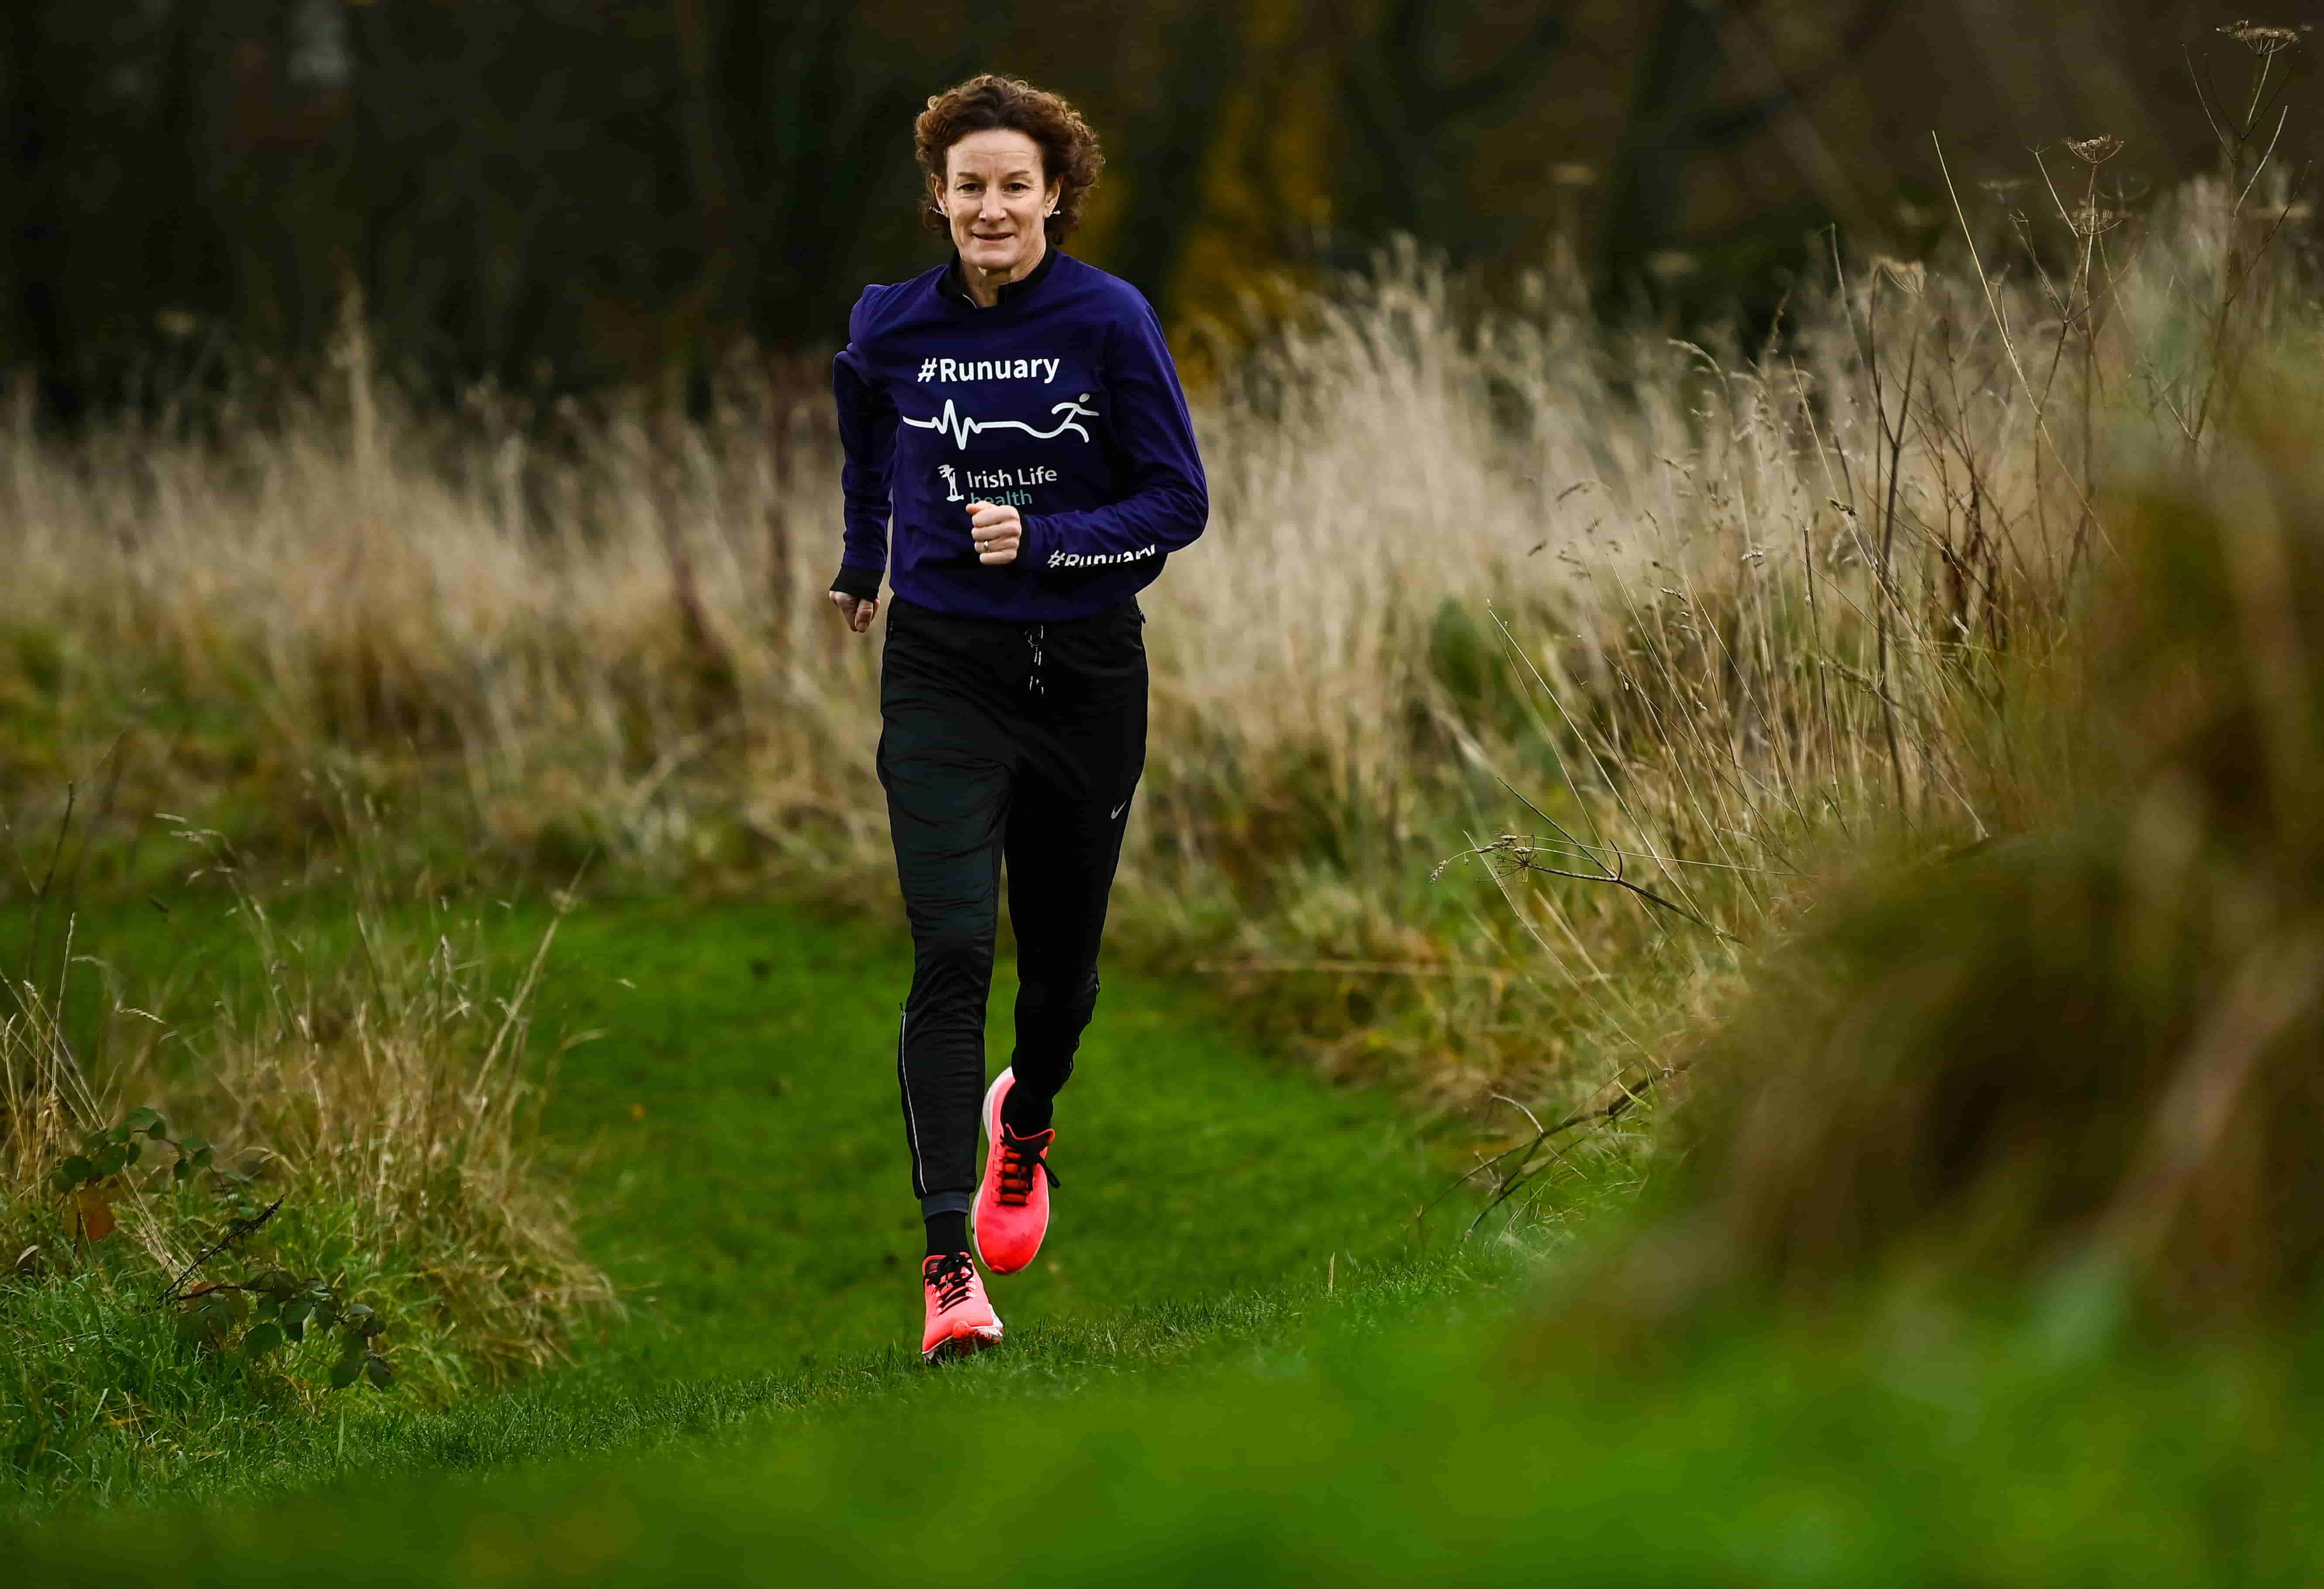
862	584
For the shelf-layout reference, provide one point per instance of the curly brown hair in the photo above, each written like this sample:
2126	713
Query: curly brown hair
1070	156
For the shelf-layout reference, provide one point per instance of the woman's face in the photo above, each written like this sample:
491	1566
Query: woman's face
994	198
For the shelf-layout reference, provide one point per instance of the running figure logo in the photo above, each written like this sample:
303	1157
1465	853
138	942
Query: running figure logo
960	427
952	486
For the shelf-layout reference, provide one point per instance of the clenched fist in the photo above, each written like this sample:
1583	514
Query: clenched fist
857	611
997	531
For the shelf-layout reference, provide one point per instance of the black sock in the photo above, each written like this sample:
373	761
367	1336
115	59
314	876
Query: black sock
947	1232
1026	1114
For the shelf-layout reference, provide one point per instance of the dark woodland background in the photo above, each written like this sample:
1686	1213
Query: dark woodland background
555	194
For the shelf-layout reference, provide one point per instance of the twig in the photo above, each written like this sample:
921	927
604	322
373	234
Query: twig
1591	851
236	1233
1523	856
1356	968
1626	1091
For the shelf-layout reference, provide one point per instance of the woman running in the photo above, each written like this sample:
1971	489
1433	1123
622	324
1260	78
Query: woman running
1018	413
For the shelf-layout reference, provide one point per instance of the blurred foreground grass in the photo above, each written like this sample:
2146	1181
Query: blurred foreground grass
1382	1436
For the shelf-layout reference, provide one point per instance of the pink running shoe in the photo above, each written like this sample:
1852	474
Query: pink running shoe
1012	1203
960	1319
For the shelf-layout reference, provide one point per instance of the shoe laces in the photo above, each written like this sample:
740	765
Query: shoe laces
949	1276
1020	1156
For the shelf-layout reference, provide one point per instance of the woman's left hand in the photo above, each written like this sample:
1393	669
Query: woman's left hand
997	531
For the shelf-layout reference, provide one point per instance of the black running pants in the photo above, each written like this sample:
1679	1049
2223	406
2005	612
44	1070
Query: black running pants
1015	743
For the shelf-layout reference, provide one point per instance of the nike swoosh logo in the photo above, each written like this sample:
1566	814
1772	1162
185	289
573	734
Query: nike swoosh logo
1117	811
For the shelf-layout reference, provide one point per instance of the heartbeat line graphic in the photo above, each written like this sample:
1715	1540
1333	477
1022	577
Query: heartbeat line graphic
960	427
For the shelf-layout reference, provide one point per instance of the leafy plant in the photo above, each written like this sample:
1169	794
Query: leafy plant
252	1319
276	1308
107	1155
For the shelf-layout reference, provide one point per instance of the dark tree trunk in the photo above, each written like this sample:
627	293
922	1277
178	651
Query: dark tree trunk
1171	146
38	127
1676	73
1409	110
1679	116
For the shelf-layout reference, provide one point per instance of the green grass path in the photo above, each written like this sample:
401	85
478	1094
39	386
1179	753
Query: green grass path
726	1125
739	1157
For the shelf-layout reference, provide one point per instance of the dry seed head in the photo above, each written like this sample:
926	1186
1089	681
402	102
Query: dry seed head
1912	276
2089	220
2261	40
2098	150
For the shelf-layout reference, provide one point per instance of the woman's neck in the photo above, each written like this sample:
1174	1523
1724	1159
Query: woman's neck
984	287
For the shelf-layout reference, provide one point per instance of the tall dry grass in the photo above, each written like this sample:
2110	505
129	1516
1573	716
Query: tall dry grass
2085	1055
1708	608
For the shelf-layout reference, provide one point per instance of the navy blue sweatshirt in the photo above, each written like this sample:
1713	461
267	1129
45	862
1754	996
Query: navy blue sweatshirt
1059	400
